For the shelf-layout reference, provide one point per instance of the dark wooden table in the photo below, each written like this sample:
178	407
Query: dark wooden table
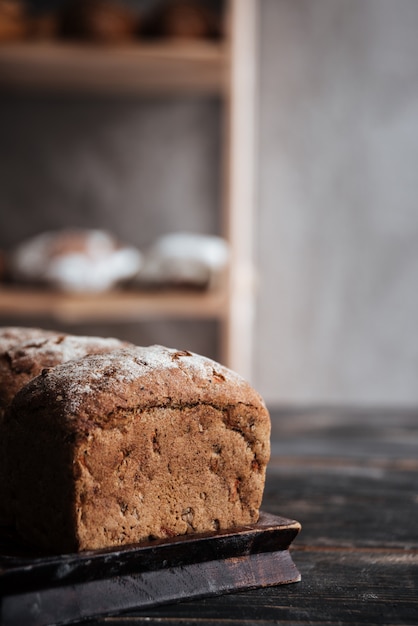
351	479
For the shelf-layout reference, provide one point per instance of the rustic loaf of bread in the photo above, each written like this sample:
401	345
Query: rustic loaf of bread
10	338
140	443
24	353
11	335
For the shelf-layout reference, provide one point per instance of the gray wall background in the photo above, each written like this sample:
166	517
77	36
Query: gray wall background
337	227
338	181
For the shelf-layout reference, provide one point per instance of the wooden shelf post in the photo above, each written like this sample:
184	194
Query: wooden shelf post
239	199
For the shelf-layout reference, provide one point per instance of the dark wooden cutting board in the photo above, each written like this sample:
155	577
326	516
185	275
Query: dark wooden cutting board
38	590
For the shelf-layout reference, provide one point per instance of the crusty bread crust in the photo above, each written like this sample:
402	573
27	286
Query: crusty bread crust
141	442
22	358
24	354
11	335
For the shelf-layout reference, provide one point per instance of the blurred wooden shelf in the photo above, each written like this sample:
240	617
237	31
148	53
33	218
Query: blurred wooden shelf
111	306
226	69
163	67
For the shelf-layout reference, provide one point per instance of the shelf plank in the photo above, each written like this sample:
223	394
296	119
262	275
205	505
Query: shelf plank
153	68
112	306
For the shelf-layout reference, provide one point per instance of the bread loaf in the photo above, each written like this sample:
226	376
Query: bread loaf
24	353
10	338
74	260
99	21
11	335
136	444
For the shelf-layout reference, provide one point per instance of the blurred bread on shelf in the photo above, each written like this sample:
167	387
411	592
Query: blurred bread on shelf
14	22
182	20
184	260
75	260
99	21
44	26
